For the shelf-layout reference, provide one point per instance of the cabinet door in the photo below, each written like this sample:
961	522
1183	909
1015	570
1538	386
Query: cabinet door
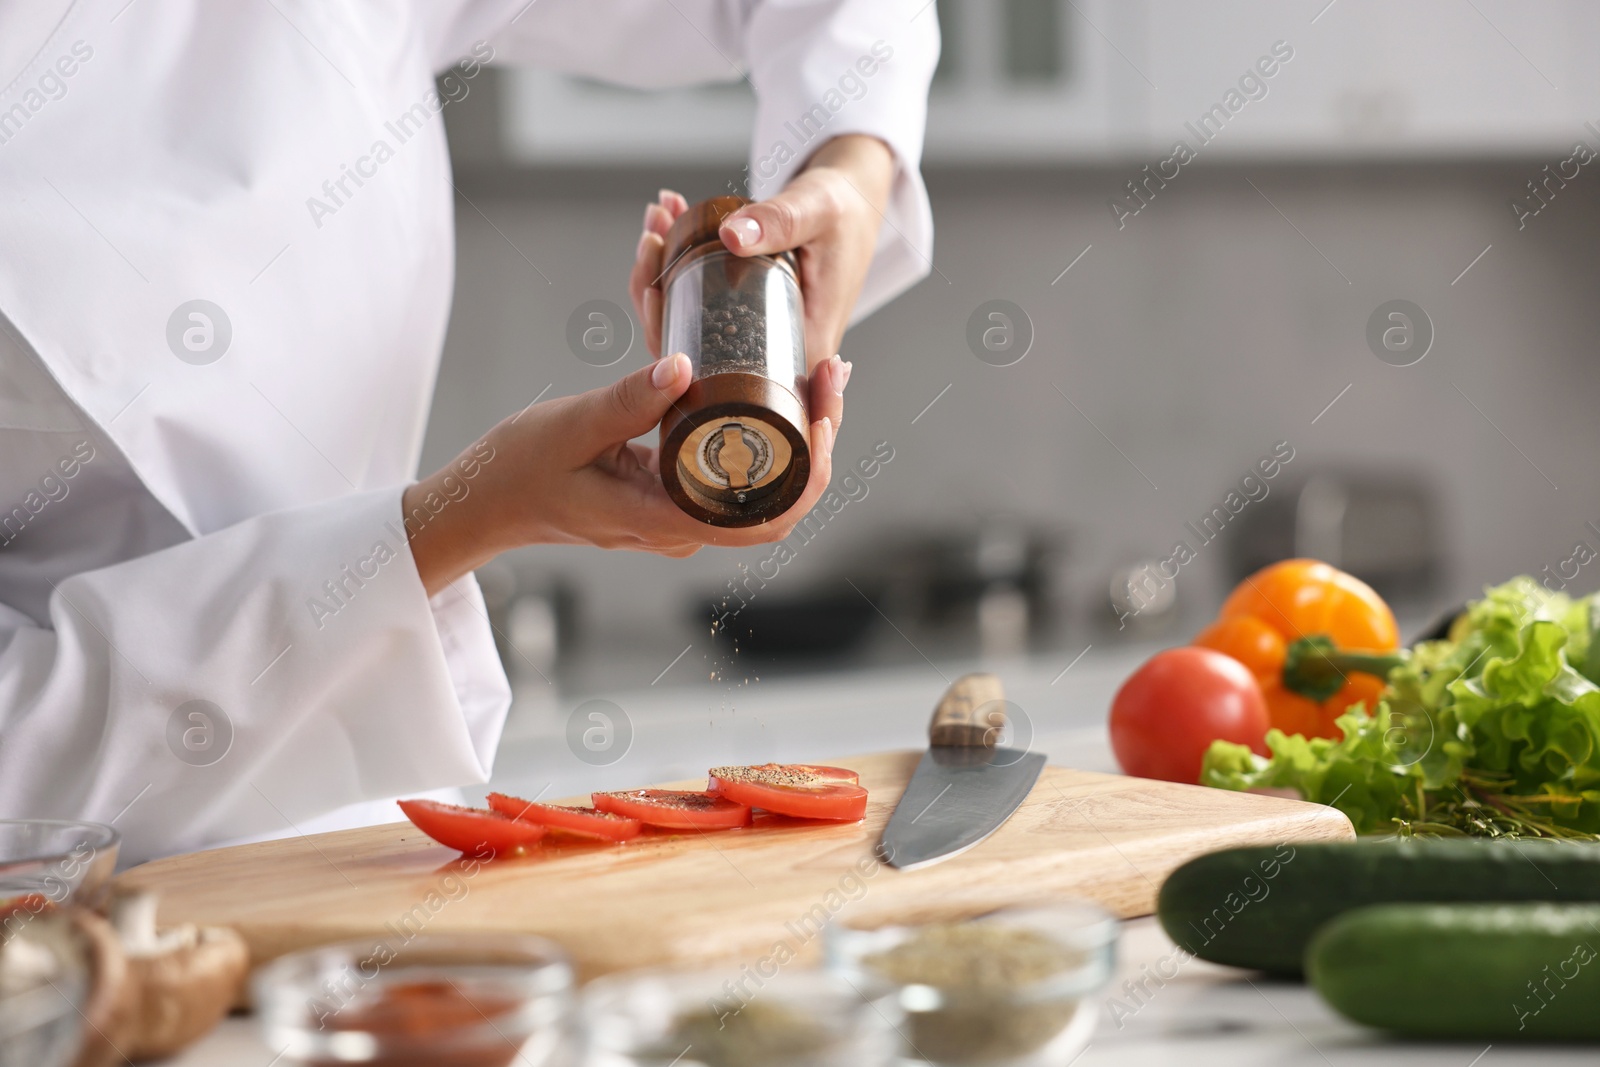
1377	78
1037	81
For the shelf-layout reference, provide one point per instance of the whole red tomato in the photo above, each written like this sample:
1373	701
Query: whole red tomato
1167	714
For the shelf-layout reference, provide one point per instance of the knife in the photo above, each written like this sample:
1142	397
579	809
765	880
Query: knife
966	785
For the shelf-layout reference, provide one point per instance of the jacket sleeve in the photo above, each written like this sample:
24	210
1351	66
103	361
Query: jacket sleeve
243	681
819	68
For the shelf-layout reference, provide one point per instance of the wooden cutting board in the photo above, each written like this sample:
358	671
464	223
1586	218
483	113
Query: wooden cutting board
729	895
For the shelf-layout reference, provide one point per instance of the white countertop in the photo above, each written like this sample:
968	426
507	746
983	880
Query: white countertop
1206	1015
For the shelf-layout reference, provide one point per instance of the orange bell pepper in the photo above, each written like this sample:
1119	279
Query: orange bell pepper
1317	640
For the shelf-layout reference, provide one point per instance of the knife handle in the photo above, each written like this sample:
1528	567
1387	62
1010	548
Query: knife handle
971	714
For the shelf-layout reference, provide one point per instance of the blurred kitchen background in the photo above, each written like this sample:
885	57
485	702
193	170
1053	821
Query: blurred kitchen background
1228	315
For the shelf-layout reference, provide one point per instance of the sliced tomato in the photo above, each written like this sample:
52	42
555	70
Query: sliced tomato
477	832
675	809
798	789
589	822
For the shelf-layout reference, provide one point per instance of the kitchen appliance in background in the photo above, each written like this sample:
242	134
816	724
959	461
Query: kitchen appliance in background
990	591
828	620
1143	600
1382	527
534	617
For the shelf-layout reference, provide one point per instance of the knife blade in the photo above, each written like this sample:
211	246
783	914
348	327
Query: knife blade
966	785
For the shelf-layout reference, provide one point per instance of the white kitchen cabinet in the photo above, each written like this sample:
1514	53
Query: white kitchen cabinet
995	102
550	118
1039	81
1021	79
1380	79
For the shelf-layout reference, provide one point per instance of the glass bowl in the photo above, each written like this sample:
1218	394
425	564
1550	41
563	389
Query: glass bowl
39	1026
54	861
1019	987
737	1017
467	1000
44	986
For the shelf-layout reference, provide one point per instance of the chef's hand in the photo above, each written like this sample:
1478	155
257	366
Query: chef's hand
566	472
829	214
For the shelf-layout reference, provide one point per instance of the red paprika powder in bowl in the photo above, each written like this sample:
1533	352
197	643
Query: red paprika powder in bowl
469	1001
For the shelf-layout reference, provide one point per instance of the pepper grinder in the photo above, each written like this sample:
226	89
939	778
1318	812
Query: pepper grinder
734	449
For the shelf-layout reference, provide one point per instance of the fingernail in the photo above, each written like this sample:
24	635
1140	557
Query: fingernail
848	367
662	196
838	375
666	371
746	231
827	437
644	239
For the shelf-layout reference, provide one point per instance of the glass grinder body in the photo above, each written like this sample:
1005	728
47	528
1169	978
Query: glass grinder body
734	449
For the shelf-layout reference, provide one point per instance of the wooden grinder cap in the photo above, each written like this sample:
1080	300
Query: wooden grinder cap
699	225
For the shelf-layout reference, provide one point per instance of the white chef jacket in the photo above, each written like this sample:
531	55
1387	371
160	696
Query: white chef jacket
173	508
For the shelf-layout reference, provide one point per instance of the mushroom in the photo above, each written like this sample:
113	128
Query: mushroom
184	979
110	1006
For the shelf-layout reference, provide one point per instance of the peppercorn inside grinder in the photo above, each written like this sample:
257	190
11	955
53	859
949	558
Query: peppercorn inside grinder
734	450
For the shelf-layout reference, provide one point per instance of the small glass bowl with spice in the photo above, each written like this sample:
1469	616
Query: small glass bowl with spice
459	999
1018	987
752	1015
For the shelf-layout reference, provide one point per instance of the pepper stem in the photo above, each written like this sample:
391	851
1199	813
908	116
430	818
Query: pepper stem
1317	669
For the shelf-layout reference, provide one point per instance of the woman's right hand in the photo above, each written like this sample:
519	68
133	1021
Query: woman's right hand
566	471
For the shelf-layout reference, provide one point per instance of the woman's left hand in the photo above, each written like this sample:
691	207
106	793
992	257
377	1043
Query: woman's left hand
829	214
569	471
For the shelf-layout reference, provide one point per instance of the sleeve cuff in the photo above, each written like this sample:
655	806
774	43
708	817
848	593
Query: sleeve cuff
479	678
825	85
483	696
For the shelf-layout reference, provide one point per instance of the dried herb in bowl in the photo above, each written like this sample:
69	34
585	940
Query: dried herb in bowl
988	1009
758	1035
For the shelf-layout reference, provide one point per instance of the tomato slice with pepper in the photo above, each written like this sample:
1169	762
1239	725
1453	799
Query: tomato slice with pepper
477	832
797	789
832	774
675	809
586	822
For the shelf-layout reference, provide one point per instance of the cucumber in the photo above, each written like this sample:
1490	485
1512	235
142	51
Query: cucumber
1484	971
1257	907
